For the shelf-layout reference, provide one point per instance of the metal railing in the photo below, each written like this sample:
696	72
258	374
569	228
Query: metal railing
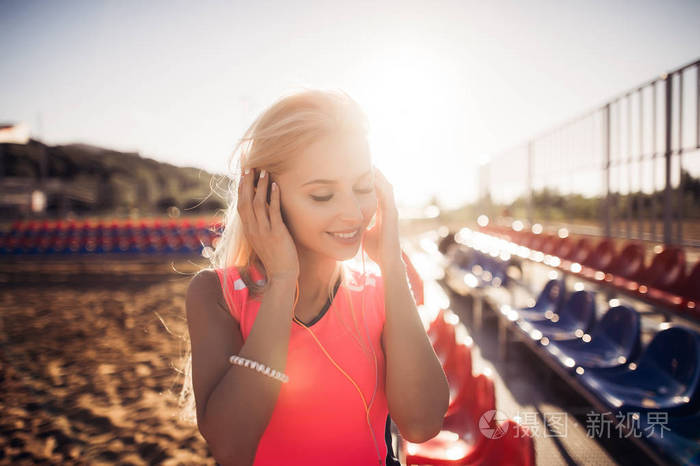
636	159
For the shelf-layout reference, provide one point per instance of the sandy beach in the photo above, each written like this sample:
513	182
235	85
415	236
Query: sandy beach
88	360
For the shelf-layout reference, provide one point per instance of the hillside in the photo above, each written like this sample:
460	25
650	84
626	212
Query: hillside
90	179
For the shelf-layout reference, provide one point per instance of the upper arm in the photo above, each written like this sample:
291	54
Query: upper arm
214	336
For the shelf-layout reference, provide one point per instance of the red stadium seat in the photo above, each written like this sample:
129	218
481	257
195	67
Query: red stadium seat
437	322
445	342
458	369
461	441
538	241
527	238
666	272
581	251
564	247
600	260
550	244
627	267
691	293
514	447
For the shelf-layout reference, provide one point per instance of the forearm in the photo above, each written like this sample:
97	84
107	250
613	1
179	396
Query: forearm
241	405
416	384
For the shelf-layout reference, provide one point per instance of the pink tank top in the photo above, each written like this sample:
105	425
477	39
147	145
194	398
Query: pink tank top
319	417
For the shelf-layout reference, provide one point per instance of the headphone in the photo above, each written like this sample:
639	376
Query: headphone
367	408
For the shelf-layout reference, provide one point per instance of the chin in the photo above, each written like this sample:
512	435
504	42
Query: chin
342	252
343	255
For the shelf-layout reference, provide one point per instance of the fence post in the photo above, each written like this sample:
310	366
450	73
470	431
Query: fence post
530	150
668	200
606	170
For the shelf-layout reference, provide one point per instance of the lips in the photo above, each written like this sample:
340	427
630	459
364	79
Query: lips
344	231
348	236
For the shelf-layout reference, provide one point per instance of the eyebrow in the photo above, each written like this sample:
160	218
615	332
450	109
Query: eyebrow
325	181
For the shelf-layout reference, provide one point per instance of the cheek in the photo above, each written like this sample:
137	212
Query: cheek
305	218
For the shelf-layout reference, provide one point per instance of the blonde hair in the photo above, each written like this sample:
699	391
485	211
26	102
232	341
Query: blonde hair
273	140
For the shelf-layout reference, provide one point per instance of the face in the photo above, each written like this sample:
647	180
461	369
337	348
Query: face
329	190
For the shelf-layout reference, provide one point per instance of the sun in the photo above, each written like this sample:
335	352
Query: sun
412	98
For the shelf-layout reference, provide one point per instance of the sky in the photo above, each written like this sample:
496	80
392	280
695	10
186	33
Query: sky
444	84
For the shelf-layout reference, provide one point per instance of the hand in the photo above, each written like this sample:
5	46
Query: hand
382	240
264	228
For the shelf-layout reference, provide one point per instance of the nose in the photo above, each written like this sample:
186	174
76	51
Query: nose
351	211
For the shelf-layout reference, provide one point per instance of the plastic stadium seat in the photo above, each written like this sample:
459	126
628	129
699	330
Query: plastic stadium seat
486	270
477	397
526	238
564	248
458	369
461	440
445	342
550	299
581	251
676	437
492	271
667	270
538	241
691	293
550	243
516	447
508	444
574	319
674	289
600	260
436	324
666	378
614	341
627	267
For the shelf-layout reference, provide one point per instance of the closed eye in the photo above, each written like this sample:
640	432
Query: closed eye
328	198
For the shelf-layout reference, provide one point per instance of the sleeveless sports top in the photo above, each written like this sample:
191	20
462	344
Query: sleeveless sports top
319	414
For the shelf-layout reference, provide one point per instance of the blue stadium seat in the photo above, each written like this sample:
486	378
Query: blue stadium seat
550	299
676	437
574	319
666	378
487	270
613	342
493	271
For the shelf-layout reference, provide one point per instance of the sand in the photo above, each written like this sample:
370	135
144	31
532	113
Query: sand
88	364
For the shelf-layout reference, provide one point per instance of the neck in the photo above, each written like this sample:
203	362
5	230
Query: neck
315	274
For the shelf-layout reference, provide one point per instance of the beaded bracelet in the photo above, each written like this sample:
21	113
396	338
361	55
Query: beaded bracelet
262	368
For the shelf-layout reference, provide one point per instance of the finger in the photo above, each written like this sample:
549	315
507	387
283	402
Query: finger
260	201
276	221
386	191
380	187
244	200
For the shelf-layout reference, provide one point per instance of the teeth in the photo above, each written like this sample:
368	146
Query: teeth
345	235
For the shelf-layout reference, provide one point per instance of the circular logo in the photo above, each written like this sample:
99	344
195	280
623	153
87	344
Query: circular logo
491	425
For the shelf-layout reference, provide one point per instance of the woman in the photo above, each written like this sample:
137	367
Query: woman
298	356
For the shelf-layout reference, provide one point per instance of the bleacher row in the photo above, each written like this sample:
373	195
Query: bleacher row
600	354
471	434
146	236
663	282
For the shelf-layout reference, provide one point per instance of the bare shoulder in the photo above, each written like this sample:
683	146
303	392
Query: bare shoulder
204	292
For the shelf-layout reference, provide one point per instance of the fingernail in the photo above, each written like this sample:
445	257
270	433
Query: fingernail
246	171
274	186
262	173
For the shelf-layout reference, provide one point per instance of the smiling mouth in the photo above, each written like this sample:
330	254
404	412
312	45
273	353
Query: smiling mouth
345	236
